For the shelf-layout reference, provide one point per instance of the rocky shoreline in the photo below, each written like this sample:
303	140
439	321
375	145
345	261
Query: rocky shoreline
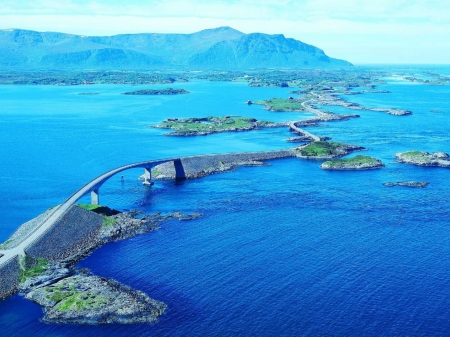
83	298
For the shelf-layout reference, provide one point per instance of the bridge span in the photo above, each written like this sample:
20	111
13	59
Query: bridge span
183	167
91	187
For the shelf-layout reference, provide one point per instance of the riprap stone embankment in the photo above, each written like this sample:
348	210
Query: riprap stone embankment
9	278
196	167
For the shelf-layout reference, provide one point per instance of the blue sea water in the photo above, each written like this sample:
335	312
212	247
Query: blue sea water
281	250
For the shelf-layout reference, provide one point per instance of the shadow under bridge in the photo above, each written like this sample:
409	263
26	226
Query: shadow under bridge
93	186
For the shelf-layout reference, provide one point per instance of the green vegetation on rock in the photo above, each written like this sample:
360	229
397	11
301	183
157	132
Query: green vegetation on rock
68	298
90	207
414	154
208	125
156	172
38	267
355	161
321	149
4	244
420	158
282	104
108	221
99	209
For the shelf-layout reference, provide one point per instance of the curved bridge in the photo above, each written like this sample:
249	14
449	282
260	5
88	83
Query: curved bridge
190	163
93	188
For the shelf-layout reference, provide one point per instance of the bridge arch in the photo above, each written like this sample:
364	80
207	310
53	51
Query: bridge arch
93	186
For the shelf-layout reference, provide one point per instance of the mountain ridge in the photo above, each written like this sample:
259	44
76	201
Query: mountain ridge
220	48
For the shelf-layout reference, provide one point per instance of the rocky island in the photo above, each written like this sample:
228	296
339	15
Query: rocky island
356	163
413	184
83	299
308	100
209	125
326	150
167	91
420	158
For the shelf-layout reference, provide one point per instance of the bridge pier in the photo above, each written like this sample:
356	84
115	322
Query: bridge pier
148	176
179	170
94	197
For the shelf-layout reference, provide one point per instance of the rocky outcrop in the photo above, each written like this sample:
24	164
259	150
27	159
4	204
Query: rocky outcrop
420	158
356	163
413	184
84	299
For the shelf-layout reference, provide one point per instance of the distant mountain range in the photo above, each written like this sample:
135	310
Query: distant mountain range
220	48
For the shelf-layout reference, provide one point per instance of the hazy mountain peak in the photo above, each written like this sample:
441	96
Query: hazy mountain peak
222	47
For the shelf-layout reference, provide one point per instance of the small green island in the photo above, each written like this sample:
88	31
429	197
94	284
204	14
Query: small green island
282	104
167	91
326	150
210	125
421	158
356	163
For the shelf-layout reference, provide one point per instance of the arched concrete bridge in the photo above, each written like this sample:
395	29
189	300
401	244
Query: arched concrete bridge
93	188
189	163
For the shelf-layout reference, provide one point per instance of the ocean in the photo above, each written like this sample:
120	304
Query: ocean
281	250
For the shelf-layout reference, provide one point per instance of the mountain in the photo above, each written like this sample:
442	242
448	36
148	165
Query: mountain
220	48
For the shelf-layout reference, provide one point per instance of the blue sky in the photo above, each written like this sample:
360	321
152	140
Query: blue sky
361	31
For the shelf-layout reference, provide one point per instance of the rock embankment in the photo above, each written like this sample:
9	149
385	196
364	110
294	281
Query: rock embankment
356	163
413	184
83	299
420	158
9	278
197	167
74	235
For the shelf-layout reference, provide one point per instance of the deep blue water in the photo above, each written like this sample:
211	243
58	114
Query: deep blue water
281	250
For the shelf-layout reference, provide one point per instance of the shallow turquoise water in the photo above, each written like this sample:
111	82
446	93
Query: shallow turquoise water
286	249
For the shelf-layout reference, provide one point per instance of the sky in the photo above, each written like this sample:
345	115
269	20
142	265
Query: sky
359	31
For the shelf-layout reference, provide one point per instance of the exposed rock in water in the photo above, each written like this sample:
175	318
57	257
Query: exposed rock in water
86	299
413	184
299	139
